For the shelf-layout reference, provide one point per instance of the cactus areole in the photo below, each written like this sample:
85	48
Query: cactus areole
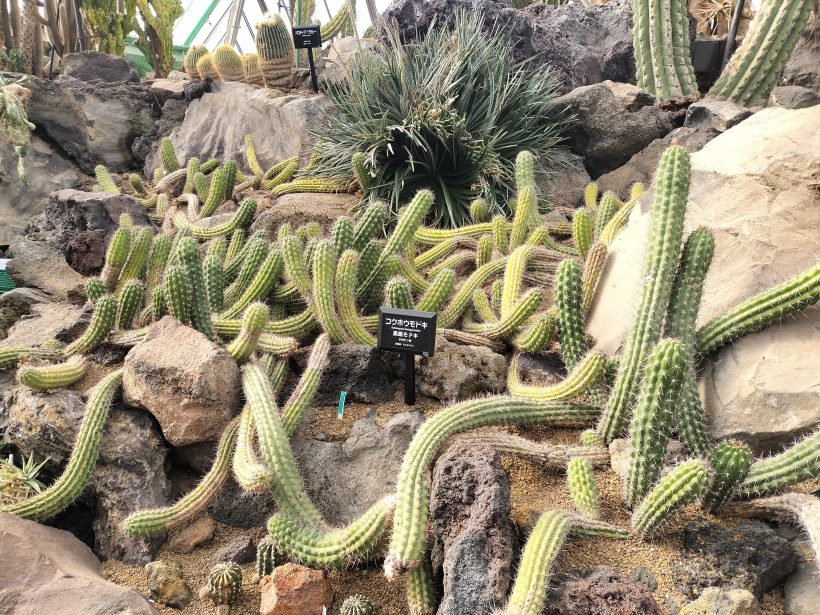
409	332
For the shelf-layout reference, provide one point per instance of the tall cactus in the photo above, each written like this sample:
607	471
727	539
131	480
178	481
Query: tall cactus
582	231
115	256
346	272
131	298
324	268
275	48
569	301
661	37
421	589
200	313
755	67
582	487
660	264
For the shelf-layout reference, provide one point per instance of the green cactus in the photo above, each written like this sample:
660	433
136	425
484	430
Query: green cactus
432	236
798	463
131	298
216	193
178	297
104	181
730	462
484	251
569	301
253	75
248	265
619	220
253	323
241	218
157	260
438	251
507	325
231	170
501	236
661	37
397	293
513	276
47	377
582	231
302	395
549	456
228	64
359	163
346	272
609	206
275	48
324	267
593	268
148	522
115	257
192	56
586	375
536	337
280	173
409	527
525	213
421	590
582	487
464	294
267	557
687	288
102	322
167	156
590	437
341	22
762	310
479	211
263	282
200	312
438	291
158	304
214	275
660	264
225	583
482	307
81	462
94	289
755	67
248	470
652	419
524	171
141	239
356	605
343	233
679	487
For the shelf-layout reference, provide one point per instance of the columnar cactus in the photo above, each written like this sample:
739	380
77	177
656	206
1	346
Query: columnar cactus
214	275
730	461
798	463
507	325
590	437
253	73
82	460
324	268
115	256
225	583
157	260
397	293
409	527
661	37
148	522
484	251
660	264
569	301
267	557
167	156
178	296
275	48
608	207
525	212
513	276
479	211
586	375
47	377
582	487
501	236
102	322
248	470
141	239
536	337
755	67
158	303
253	323
104	181
200	313
192	56
302	395
343	233
687	288
482	307
216	193
131	298
341	22
651	424
464	294
582	231
421	591
359	163
262	283
762	310
346	272
94	289
356	605
593	268
681	486
553	457
245	268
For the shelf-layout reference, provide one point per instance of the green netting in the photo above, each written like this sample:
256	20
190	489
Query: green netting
6	283
143	66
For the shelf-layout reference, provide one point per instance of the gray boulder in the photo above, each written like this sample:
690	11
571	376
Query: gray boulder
715	115
459	372
47	321
94	66
794	97
473	535
46	171
303	207
41	265
717	601
46	570
803	67
82	223
17	303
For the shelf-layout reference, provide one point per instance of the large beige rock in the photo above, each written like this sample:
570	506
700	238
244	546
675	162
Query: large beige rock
303	207
40	264
191	385
755	186
47	571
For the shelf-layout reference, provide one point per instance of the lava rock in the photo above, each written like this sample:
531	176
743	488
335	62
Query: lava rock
236	507
190	384
81	224
750	556
166	585
295	590
716	115
474	537
717	601
240	550
794	97
604	591
198	533
47	321
46	570
93	66
41	265
459	372
803	67
802	590
171	116
17	303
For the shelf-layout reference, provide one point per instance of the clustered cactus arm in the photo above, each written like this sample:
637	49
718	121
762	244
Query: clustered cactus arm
586	375
47	377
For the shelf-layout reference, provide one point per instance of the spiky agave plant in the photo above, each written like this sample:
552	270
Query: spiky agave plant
18	483
448	114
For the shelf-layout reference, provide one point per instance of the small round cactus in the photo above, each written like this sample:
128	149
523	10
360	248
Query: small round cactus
225	582
356	605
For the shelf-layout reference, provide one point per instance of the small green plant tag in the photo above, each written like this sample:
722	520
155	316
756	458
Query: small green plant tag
341	411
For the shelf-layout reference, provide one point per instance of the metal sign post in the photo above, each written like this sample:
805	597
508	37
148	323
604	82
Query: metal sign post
308	37
410	333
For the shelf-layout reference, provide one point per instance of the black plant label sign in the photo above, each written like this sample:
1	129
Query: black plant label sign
307	37
407	331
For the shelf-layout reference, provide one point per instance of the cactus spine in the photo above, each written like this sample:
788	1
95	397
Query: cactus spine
131	298
324	267
102	321
661	37
586	375
513	275
681	486
479	211
407	543
438	291
730	461
606	210
660	264
275	48
582	231
141	239
47	377
652	418
253	323
569	301
225	583
755	67
797	463
346	272
356	605
168	156
192	56
84	454
582	487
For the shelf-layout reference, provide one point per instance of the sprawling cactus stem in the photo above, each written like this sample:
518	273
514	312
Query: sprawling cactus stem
482	307
251	261
798	463
158	303
507	325
591	192
10	356
157	261
141	239
582	487
214	275
421	590
432	236
550	456
205	67
216	193
464	294
253	323
328	185
513	274
275	48
341	22
681	486
241	218
147	522
343	232
360	170
610	204
192	56
346	272
689	418
536	337
336	548
224	583
398	294
687	288
167	156
178	296
71	482
250	473
267	557
102	321
304	392
756	66
501	236
369	224
569	301
526	213
762	310
94	289
484	251
324	267
189	259
652	420
590	437
661	37
529	591
619	220
660	264
407	543
730	461
262	283
131	298
586	375
479	211
288	490
582	232
593	268
356	605
115	256
104	181
280	173
47	377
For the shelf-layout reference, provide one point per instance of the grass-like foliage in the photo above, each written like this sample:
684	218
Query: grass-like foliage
448	113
